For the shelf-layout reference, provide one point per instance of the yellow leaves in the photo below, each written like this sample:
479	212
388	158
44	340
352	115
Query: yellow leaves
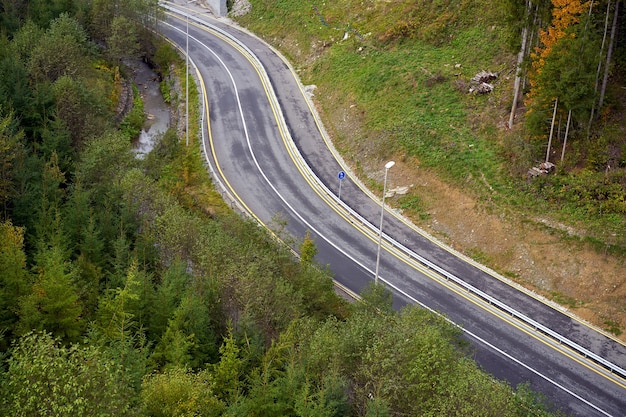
565	14
116	91
308	250
12	237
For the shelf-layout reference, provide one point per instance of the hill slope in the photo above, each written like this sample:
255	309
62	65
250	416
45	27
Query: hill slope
392	83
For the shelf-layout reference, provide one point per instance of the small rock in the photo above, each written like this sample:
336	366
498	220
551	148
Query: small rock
482	88
308	89
484	77
400	190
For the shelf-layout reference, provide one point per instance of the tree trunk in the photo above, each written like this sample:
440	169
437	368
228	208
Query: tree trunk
569	118
518	75
609	52
556	103
532	39
595	88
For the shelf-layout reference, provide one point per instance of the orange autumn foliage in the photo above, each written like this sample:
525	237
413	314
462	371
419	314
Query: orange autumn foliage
565	14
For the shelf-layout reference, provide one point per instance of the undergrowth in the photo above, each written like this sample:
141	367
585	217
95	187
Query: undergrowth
132	123
183	173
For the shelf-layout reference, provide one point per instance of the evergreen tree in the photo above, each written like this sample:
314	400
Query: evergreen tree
48	226
228	371
117	327
308	250
14	278
190	339
10	149
123	41
168	297
118	308
53	304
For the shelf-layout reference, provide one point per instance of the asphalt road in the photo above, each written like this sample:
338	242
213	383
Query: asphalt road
267	152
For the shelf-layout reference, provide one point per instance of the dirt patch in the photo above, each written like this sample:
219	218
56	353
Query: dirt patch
529	251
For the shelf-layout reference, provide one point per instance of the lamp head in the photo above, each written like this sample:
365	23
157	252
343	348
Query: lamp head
389	164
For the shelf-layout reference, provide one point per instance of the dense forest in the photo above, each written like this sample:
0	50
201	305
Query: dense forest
128	288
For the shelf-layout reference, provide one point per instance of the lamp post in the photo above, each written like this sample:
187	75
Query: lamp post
187	79
382	212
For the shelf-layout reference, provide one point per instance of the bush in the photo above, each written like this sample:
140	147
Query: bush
133	122
45	378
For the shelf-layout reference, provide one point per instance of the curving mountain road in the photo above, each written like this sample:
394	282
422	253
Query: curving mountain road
268	153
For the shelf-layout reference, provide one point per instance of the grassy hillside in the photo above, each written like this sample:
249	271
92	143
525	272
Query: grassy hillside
392	82
395	75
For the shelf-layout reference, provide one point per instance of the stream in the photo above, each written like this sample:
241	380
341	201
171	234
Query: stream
156	109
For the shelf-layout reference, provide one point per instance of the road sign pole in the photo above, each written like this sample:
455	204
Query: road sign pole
388	165
341	176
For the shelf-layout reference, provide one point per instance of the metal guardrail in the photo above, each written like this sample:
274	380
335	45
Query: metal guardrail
613	368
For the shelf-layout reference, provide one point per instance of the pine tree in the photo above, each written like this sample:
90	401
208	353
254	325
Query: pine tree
10	148
53	305
14	278
228	371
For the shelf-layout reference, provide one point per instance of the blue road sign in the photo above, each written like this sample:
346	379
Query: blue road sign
341	176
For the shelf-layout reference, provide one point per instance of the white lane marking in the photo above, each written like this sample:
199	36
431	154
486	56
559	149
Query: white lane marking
496	349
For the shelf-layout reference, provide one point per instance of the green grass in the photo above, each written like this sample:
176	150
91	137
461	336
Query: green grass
565	300
404	70
479	255
410	98
412	206
613	327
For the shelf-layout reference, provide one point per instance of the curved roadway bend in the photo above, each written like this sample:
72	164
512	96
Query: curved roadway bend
249	152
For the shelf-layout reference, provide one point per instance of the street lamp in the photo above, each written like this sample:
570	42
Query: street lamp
382	212
187	80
